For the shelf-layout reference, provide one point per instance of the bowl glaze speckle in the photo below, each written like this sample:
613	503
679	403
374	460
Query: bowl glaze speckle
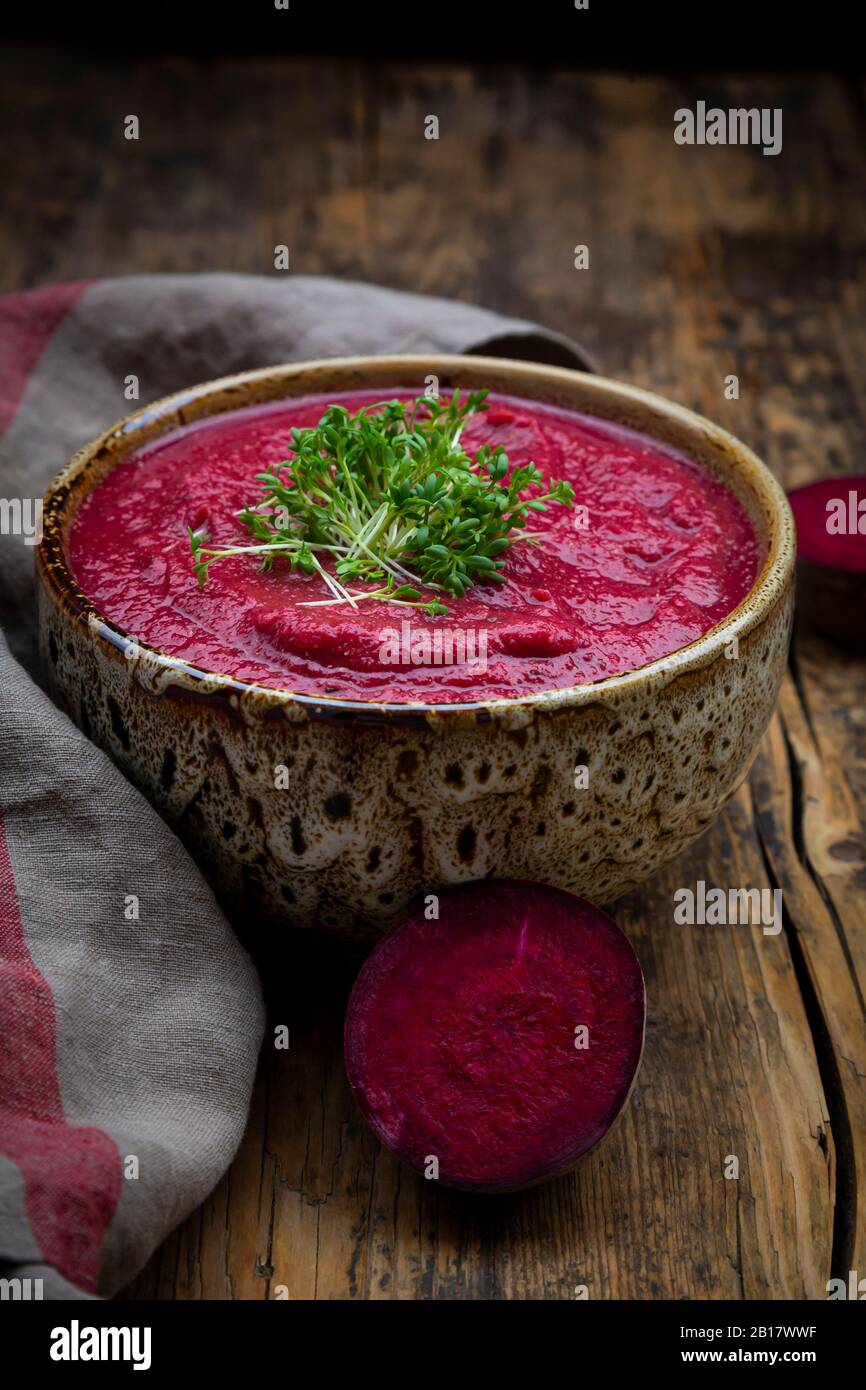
335	813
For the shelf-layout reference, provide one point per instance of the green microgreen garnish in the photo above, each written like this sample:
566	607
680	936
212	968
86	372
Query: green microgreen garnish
390	497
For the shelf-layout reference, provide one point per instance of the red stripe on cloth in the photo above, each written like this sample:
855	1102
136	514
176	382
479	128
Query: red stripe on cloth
27	321
72	1174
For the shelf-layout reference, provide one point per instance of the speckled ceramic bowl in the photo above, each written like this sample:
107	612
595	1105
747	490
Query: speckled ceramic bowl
384	801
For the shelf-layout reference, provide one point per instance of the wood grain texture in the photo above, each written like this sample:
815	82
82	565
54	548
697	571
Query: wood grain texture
703	262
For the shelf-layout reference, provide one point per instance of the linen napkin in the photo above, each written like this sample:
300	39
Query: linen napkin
130	1016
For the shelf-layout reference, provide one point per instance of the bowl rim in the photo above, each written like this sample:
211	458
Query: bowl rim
163	416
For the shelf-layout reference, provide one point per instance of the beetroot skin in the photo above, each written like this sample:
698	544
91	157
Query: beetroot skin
460	1034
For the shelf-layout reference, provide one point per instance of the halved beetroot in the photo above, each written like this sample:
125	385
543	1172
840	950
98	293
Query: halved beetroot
464	1036
831	556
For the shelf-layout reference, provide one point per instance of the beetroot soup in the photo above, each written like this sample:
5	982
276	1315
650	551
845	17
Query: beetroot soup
651	555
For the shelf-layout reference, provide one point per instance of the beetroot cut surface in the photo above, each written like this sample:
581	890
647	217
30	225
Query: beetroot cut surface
460	1037
831	522
831	557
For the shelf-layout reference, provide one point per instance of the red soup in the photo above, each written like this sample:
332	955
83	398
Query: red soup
653	553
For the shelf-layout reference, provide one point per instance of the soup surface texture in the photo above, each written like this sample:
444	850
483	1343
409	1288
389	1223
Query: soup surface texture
653	554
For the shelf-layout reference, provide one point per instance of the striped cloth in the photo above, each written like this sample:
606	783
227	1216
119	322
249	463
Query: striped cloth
128	1047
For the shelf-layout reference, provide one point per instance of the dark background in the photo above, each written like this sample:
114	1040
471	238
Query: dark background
696	35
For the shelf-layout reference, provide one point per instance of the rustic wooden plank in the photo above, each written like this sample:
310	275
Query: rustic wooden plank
799	783
232	159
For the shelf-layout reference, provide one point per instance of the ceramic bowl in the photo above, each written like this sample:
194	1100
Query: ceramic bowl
379	802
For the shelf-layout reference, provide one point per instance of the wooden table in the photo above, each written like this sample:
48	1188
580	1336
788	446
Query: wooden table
704	262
